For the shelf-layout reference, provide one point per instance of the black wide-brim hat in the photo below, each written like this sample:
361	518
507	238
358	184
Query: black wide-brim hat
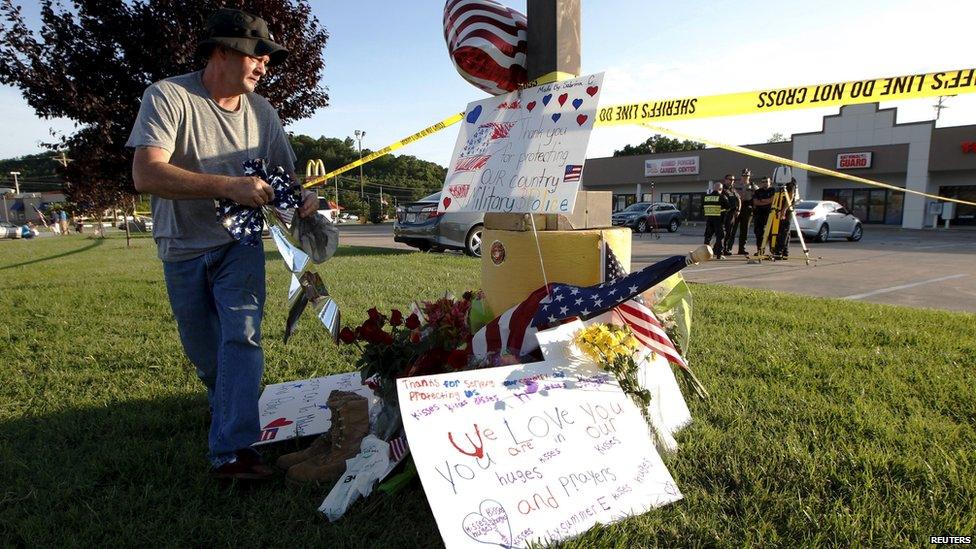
243	32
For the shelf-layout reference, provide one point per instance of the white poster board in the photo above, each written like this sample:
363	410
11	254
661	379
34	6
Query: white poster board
298	408
523	152
533	452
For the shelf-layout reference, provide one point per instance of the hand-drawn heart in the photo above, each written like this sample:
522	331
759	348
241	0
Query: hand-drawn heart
474	114
489	525
555	117
592	90
546	99
563	98
447	202
530	105
577	103
581	119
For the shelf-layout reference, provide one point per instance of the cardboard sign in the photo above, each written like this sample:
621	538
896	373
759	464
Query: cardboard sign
298	408
523	152
530	453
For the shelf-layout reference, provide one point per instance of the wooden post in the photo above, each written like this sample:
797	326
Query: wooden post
553	37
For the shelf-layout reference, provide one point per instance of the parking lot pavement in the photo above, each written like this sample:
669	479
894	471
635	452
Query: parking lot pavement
933	269
901	267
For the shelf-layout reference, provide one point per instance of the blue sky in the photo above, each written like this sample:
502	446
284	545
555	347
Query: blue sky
389	74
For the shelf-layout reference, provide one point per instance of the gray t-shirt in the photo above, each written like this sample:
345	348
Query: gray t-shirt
178	114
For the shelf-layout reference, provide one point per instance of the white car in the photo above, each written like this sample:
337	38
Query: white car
823	219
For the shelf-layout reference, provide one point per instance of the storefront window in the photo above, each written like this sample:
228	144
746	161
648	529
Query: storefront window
965	215
621	201
870	205
895	202
689	203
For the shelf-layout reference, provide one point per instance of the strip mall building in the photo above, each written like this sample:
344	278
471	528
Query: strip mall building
862	140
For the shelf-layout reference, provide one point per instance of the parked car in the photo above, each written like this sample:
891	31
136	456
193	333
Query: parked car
345	217
645	216
139	224
418	224
9	230
823	219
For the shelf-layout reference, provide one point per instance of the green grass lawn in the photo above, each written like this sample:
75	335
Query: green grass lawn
830	422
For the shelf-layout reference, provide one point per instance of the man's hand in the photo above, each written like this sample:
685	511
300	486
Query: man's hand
248	191
310	204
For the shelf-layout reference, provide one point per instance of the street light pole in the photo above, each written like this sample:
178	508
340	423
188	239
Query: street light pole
16	184
359	137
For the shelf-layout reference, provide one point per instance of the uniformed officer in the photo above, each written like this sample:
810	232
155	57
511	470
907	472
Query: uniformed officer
732	215
762	202
745	214
716	204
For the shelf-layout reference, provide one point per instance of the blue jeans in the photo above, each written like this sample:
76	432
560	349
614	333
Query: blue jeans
218	302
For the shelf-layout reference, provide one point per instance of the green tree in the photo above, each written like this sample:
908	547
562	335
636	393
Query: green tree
659	144
777	138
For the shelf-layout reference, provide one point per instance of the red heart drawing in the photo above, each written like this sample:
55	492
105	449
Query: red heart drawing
592	90
447	202
530	106
581	119
563	98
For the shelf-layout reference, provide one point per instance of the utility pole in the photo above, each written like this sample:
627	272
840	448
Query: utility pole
16	184
939	106
359	137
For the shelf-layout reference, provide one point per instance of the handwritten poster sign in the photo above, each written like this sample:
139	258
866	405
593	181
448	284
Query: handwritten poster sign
523	152
530	453
298	408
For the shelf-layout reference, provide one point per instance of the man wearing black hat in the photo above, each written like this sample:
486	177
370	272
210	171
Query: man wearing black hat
191	137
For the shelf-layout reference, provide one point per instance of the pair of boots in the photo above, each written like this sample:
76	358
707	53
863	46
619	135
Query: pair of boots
325	460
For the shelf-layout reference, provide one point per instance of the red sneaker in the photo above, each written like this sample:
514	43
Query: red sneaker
247	466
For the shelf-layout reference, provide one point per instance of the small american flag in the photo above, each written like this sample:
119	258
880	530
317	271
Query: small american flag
514	331
573	173
398	448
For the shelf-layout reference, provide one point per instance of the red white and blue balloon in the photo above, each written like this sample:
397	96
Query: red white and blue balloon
487	43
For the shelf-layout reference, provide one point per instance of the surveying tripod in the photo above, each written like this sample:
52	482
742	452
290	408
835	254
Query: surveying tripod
775	232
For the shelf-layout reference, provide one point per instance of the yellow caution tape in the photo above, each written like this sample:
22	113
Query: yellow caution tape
801	165
893	88
453	119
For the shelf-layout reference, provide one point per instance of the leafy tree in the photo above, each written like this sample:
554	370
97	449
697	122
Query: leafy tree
93	60
659	144
777	138
400	178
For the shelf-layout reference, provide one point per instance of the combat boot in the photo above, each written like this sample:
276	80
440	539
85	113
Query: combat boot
350	425
321	445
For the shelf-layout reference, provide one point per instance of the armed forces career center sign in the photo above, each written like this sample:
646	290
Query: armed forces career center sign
523	152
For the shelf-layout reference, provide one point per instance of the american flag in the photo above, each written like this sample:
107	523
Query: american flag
244	223
514	331
573	173
398	448
487	43
475	155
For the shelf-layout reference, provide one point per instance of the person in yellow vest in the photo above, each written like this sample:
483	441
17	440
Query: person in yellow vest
715	205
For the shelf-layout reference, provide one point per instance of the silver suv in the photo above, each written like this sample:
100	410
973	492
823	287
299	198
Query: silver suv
419	225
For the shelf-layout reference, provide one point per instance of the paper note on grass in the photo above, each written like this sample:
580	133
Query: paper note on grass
536	452
299	408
